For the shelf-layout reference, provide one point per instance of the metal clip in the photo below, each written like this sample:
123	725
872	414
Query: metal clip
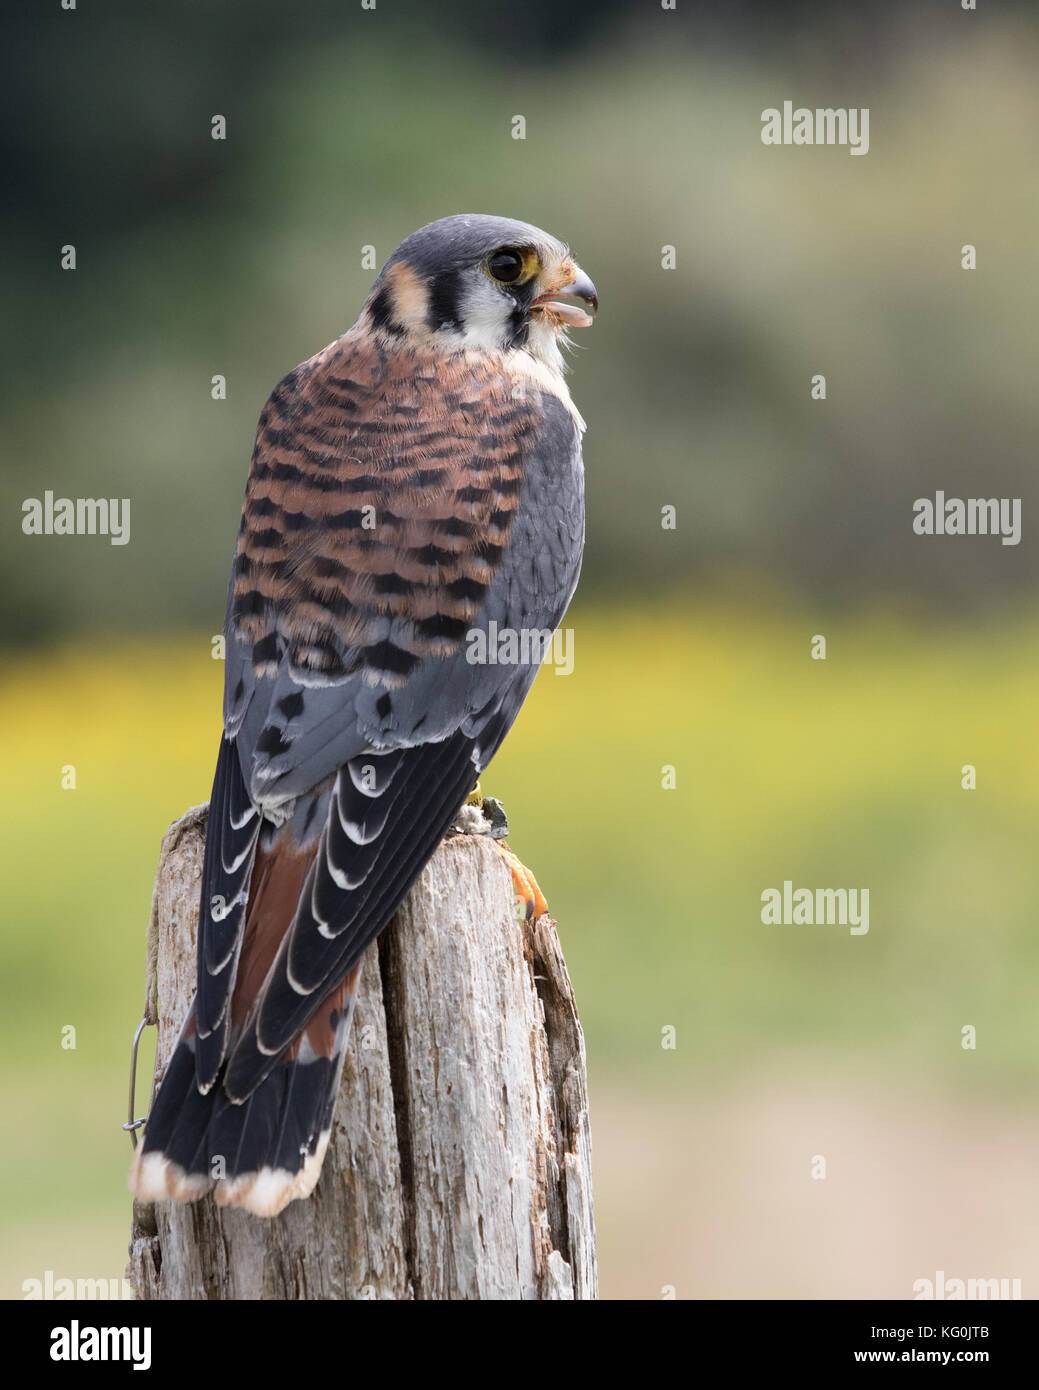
132	1125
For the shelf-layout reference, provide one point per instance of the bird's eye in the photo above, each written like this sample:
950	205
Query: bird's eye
506	266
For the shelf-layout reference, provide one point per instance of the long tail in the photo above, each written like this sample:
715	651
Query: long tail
263	1153
245	1106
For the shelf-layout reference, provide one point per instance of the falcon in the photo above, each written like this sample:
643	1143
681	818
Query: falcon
417	482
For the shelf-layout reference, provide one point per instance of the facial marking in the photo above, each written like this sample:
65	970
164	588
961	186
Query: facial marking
443	301
408	297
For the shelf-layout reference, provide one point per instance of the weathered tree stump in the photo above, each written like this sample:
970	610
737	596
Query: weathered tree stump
459	1164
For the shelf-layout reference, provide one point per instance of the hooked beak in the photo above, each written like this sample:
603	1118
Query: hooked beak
580	287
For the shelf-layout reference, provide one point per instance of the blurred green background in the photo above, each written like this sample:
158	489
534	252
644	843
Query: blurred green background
195	257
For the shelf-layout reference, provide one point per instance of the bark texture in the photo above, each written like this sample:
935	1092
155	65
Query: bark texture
460	1159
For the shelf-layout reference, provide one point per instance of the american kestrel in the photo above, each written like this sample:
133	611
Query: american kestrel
416	482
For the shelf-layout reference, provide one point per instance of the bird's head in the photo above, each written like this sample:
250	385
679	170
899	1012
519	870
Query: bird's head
489	283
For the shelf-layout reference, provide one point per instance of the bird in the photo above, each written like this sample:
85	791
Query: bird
417	482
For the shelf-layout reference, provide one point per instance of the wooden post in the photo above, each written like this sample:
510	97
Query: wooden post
460	1158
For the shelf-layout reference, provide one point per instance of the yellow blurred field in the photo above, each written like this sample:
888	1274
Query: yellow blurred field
844	772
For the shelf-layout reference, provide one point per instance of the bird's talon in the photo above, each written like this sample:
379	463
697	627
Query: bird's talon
525	884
